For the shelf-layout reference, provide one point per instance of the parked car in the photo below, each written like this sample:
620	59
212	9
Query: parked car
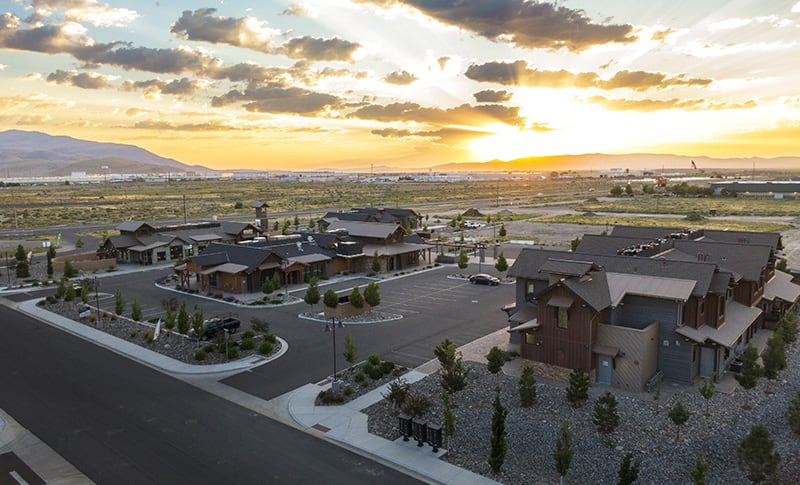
484	279
217	324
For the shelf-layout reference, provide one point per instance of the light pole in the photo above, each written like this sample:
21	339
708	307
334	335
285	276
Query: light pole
97	299
332	328
284	267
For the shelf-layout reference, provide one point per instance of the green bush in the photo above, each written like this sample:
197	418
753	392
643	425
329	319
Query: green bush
247	344
375	372
374	359
271	338
265	348
208	348
348	390
387	366
233	352
328	397
248	334
360	377
200	355
134	333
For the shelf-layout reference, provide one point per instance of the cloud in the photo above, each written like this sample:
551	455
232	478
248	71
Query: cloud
32	120
461	115
782	130
315	49
738	22
153	88
449	136
168	126
704	50
50	39
491	96
89	11
796	8
662	34
296	10
31	76
274	99
251	33
540	127
83	80
248	32
519	74
647	105
521	22
401	78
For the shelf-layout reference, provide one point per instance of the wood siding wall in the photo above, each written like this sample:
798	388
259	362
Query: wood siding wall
640	348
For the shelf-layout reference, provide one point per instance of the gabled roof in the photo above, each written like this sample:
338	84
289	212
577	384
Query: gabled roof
772	239
235	253
566	267
646	233
208	258
738	318
598	244
236	228
620	285
781	286
747	260
347	216
133	226
123	241
378	230
591	288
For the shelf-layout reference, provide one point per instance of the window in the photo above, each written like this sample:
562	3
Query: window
721	302
161	255
702	308
530	288
562	316
530	338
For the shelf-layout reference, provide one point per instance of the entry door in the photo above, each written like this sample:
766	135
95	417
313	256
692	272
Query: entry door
707	357
605	367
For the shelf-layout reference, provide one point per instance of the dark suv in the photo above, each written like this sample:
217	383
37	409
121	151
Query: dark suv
217	324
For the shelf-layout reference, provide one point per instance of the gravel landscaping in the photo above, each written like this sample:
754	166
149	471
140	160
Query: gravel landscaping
645	430
179	347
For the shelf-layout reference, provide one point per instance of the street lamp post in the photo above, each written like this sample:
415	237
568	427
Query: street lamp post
97	299
284	267
332	328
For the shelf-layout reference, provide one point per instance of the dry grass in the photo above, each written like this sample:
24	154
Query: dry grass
666	222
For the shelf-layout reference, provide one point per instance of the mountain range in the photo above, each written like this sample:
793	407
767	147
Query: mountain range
36	154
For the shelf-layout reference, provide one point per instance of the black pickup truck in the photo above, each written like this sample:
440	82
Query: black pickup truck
217	324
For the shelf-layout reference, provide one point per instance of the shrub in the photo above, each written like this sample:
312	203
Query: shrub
200	355
248	334
396	393
374	373
374	359
208	348
328	397
233	352
149	336
578	390
265	348
416	405
387	366
69	269
359	377
134	333
348	390
247	344
259	325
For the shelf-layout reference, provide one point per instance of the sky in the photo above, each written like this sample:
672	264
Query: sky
349	84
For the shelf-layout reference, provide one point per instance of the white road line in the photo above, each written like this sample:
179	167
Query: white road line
17	477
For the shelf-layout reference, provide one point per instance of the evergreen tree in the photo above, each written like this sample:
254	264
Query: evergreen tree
757	455
20	255
296	222
376	262
564	450
350	353
276	281
119	302
498	445
51	253
84	294
197	323
502	231
356	298
453	373
311	224
605	413
774	356
573	245
312	292
22	270
183	319
751	371
788	325
79	242
793	414
449	424
496	358
679	415
372	294
527	387
501	265
69	269
169	317
628	473
266	286
699	471
61	288
69	295
707	391
578	390
463	259
136	309
330	299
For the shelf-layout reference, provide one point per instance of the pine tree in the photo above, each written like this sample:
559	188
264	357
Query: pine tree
498	445
578	390
69	269
22	269
51	253
183	319
501	264
788	324
707	391
356	298
169	317
757	455
20	255
564	450
276	281
774	356
69	295
628	473
699	471
136	309
453	373
751	371
463	259
502	231
119	302
376	262
330	299
266	286
605	413
449	424
312	292
495	360
84	294
372	295
350	353
197	323
679	415
793	414
527	387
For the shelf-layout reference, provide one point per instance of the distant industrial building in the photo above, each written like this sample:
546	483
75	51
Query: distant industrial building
785	189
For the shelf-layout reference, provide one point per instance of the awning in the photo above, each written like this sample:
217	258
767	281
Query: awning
523	315
529	325
781	286
606	350
560	301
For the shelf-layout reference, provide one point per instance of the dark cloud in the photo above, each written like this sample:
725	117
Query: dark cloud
152	87
491	96
460	115
401	78
83	80
50	39
277	99
203	25
392	133
522	22
333	49
647	105
519	74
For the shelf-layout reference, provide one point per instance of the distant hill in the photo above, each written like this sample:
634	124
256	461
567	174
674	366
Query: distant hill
36	154
633	161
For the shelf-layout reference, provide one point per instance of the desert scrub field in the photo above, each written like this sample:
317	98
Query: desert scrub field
701	205
704	223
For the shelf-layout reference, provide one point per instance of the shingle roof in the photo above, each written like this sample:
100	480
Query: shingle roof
365	229
772	239
621	285
132	226
235	253
123	241
593	289
649	233
598	244
566	267
747	260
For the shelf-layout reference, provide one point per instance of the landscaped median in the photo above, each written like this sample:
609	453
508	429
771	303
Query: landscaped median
167	350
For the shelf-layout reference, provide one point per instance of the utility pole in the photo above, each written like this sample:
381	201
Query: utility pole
184	209
97	299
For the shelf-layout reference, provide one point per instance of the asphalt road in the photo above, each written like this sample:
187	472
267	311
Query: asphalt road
120	422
